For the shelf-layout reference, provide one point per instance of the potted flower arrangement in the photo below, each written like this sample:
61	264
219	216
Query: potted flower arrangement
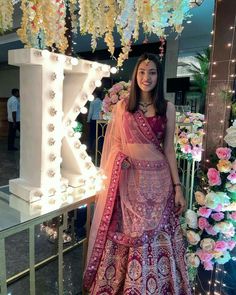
117	92
210	226
189	138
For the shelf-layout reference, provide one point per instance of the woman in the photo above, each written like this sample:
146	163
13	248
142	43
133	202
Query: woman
135	242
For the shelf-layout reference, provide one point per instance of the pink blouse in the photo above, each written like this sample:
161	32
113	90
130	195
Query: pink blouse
158	125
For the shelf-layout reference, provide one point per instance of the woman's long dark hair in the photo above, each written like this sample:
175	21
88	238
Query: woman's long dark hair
159	101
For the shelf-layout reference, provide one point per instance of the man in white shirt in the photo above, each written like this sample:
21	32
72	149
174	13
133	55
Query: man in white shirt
93	115
13	112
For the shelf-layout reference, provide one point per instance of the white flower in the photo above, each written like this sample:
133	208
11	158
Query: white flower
230	138
192	260
191	218
207	244
200	198
192	237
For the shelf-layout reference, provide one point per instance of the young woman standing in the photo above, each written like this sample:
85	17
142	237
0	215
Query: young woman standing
136	244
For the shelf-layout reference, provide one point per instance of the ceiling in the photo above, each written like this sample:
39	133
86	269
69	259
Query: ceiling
195	35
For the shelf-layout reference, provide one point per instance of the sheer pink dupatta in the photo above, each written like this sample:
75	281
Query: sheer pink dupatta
112	157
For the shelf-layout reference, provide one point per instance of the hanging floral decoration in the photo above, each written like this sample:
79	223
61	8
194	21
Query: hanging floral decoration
43	22
6	13
40	29
73	7
189	135
210	226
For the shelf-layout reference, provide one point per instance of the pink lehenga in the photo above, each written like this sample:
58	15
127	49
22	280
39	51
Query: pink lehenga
136	245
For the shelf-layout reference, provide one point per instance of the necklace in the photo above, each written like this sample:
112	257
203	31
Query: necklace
143	106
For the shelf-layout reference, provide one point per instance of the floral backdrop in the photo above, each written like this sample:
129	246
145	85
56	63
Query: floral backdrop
98	18
210	225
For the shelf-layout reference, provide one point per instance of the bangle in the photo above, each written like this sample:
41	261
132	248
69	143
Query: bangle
177	184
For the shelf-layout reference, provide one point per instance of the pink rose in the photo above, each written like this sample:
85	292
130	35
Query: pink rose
223	153
210	230
218	208
186	149
117	87
213	177
196	151
231	245
202	223
232	177
234	165
221	246
233	215
208	265
114	98
204	212
204	256
217	216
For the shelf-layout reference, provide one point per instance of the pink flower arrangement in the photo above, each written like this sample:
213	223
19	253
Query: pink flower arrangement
117	92
215	214
189	136
213	177
223	153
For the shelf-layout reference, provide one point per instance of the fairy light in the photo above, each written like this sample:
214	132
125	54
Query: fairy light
212	95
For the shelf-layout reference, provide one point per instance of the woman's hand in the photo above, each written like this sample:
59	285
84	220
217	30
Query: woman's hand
180	203
125	164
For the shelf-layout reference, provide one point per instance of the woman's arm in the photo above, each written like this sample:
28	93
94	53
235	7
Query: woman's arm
169	152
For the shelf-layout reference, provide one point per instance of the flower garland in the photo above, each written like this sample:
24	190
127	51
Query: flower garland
40	29
73	8
6	13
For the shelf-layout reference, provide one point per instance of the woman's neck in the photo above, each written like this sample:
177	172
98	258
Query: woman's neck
146	97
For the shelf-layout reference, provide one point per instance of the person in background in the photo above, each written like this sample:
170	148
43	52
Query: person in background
13	113
136	244
94	115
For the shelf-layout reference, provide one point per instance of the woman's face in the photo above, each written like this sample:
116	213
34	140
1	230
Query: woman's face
147	75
